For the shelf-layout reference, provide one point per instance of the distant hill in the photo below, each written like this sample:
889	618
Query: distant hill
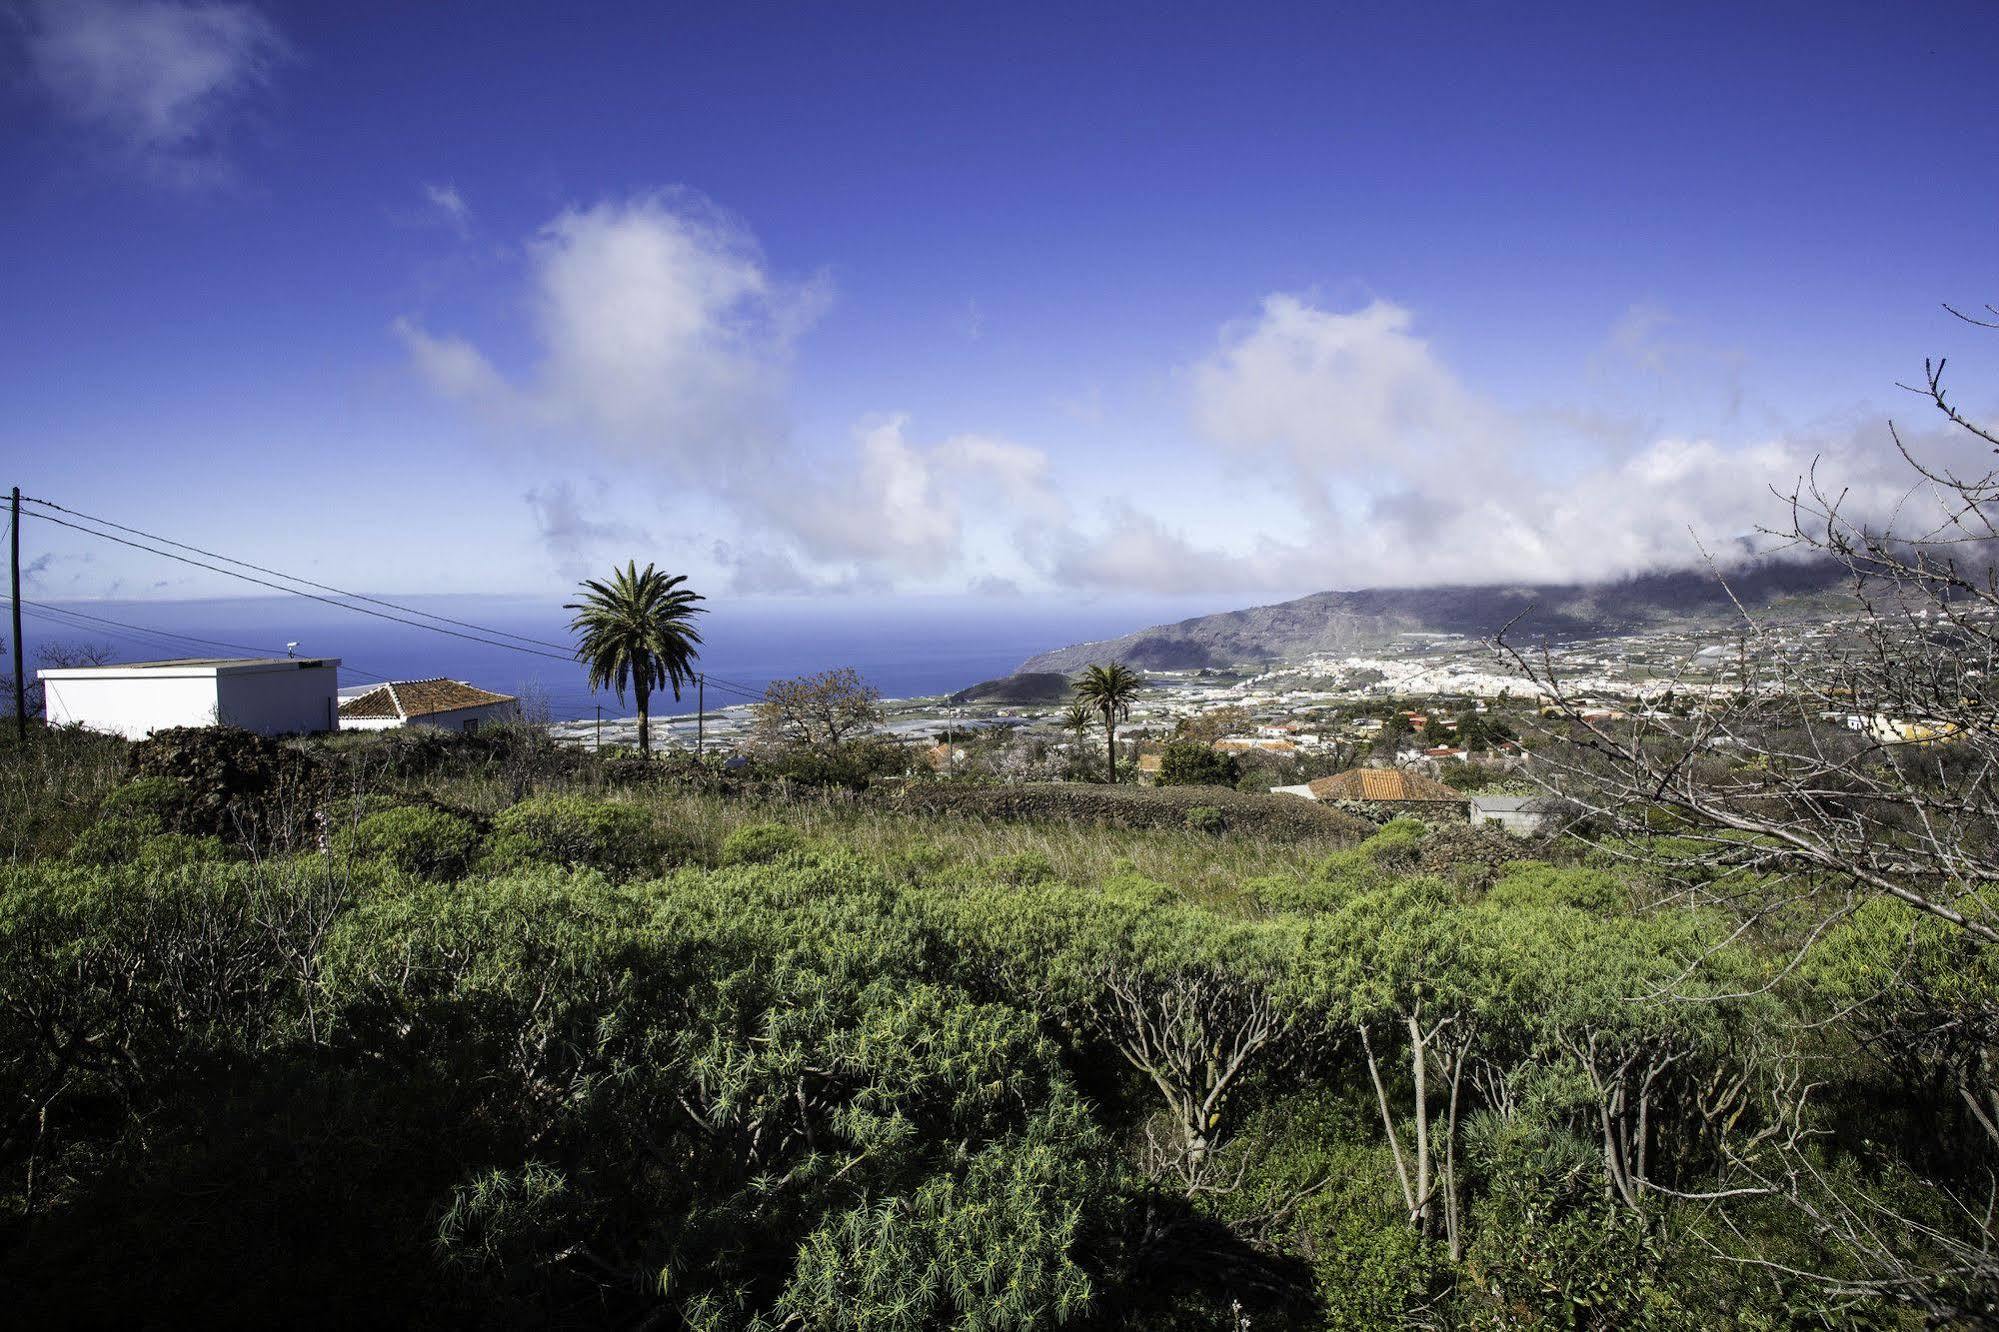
1026	687
1354	622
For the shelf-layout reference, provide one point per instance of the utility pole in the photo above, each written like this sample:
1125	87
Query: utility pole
700	715
20	676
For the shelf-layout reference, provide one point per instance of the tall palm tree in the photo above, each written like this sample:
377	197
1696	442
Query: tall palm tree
637	629
1109	691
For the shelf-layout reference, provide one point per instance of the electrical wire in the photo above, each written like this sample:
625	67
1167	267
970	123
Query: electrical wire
310	596
485	635
290	578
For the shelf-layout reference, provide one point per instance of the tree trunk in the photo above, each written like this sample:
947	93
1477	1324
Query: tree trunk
1419	1067
1388	1123
1110	742
645	721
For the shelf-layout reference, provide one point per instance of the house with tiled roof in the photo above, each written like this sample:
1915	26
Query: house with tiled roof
1385	793
445	705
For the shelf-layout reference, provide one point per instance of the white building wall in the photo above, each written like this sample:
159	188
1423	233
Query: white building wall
283	701
133	708
275	698
490	714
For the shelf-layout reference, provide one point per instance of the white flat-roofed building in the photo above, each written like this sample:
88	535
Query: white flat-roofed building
269	695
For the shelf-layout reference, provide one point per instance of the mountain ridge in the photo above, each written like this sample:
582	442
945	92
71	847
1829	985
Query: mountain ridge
1342	623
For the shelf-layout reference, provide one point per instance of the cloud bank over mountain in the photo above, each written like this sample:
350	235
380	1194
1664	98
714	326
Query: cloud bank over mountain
661	345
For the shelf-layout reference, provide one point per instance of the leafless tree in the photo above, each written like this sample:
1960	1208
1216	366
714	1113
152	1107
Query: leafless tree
1855	758
817	711
1817	768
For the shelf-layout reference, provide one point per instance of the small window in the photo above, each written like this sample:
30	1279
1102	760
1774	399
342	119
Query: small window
471	725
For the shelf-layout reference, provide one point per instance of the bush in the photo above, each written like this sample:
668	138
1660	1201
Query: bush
128	818
1277	818
1396	841
171	851
759	844
155	801
110	842
427	843
1467	777
579	833
1207	819
854	765
1191	763
1023	869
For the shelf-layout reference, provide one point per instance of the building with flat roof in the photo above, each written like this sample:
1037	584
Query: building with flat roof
269	695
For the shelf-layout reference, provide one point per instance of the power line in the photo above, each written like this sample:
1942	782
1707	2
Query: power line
291	578
167	637
310	596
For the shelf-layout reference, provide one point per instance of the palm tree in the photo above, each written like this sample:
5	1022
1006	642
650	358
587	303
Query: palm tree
637	629
1076	721
1109	690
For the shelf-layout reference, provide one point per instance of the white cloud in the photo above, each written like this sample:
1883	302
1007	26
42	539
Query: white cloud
1405	476
662	336
903	507
158	80
1337	396
572	528
449	206
662	339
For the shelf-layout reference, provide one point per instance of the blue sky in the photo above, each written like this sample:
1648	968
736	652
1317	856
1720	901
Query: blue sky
1226	302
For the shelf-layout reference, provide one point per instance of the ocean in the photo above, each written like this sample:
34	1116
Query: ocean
905	647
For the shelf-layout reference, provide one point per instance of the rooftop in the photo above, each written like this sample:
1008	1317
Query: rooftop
167	664
1387	785
419	698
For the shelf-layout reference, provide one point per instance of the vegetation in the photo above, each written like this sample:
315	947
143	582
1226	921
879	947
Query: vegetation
818	712
637	629
1108	691
1191	763
531	1037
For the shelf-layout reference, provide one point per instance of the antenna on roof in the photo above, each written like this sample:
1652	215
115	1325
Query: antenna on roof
291	648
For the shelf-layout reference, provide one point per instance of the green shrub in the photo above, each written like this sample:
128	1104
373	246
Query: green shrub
1536	884
759	843
853	765
1276	818
1191	763
428	843
1206	819
168	851
130	816
579	833
110	842
156	801
1396	841
1021	868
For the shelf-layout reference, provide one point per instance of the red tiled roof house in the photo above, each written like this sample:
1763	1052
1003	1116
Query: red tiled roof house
447	705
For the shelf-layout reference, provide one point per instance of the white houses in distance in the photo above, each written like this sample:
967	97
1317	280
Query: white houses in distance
270	695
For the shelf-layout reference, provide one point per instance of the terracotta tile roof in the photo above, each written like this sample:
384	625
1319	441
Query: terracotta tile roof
419	698
1381	784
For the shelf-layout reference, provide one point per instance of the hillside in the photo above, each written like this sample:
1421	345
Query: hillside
1039	687
1344	622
